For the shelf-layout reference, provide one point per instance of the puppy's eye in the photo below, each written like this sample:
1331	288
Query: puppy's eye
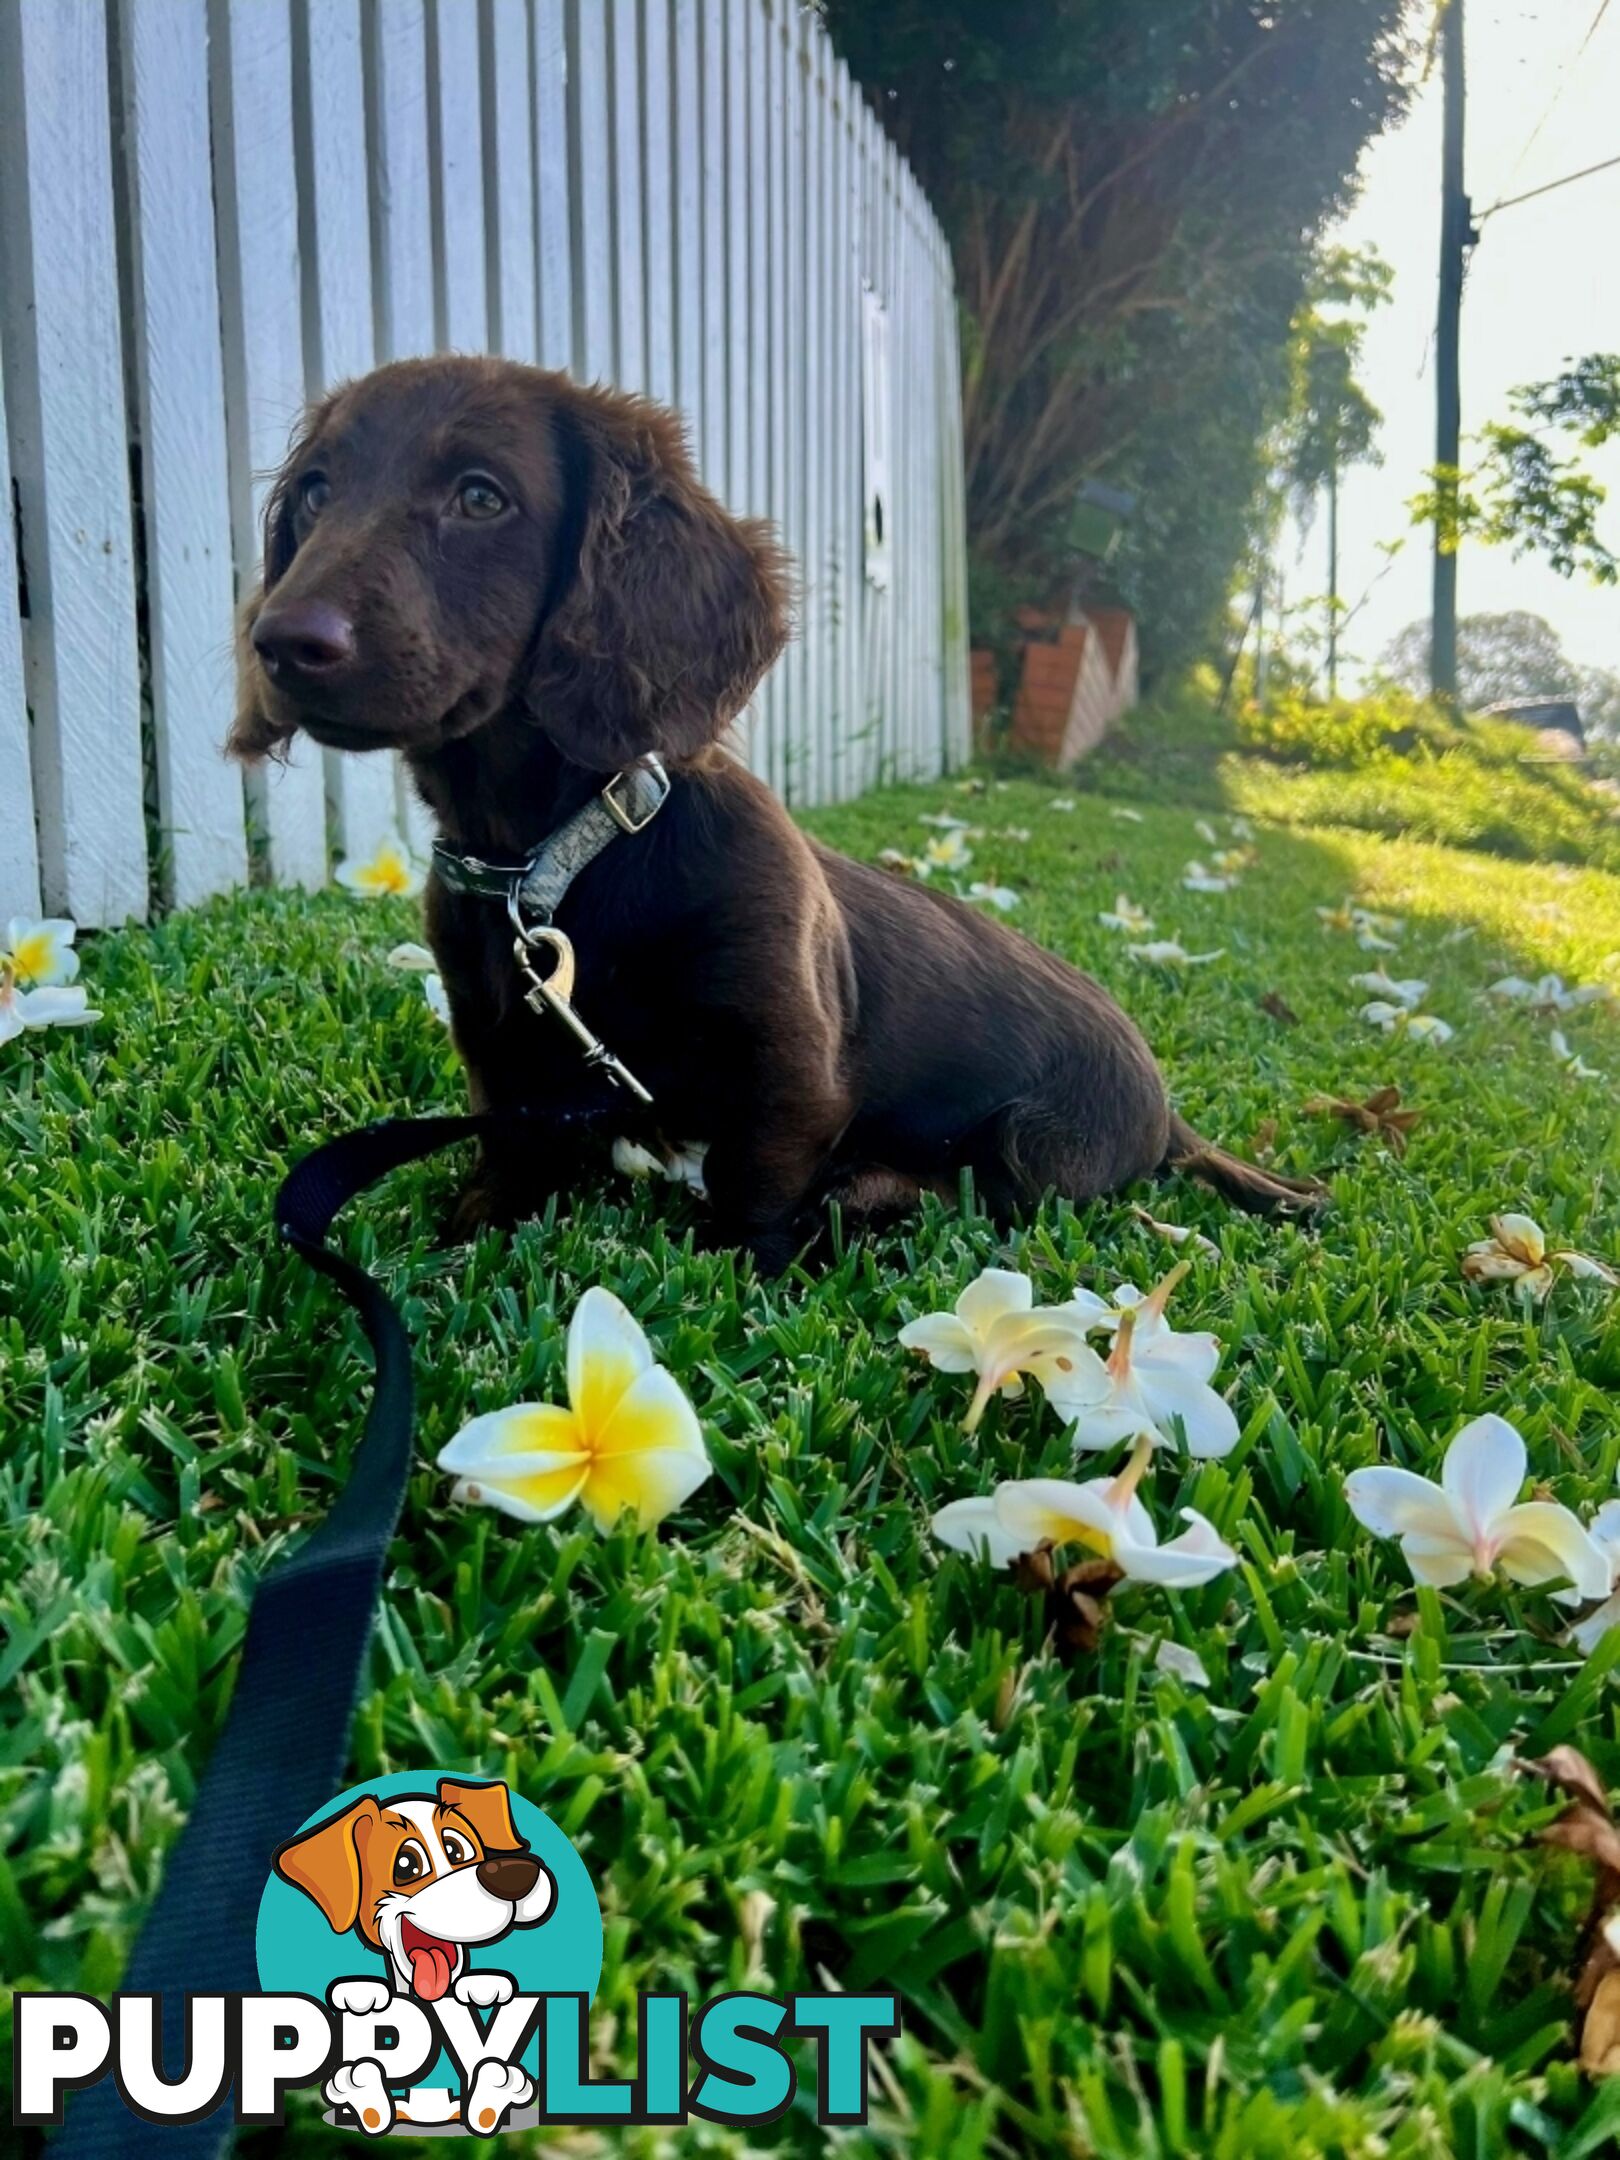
314	493
456	1849
477	497
410	1864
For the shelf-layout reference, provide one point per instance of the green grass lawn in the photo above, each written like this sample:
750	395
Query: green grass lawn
1294	1912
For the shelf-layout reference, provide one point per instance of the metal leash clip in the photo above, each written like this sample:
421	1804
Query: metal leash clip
553	993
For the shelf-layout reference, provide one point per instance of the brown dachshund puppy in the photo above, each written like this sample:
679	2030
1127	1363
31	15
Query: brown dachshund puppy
522	586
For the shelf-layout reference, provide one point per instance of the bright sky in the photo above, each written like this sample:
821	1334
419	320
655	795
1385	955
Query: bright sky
1544	285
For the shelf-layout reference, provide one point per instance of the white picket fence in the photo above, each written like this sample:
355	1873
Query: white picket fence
210	209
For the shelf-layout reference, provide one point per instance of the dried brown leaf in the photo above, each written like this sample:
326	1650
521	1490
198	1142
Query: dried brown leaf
1279	1009
1380	1114
1600	2032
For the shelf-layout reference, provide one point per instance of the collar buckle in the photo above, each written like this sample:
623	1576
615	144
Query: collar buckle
620	810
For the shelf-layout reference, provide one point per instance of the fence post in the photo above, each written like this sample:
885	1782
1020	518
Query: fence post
19	852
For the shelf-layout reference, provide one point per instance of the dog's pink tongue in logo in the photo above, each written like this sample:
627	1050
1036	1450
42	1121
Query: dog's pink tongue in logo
432	1962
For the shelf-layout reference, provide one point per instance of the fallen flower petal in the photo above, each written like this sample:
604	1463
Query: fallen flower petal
416	959
1174	1233
1126	915
1196	878
1125	817
1574	1064
1379	984
1517	1252
1001	897
1166	952
438	998
64	1005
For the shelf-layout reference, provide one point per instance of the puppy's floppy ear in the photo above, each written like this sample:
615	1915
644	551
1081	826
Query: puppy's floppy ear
489	1809
255	734
669	611
325	1862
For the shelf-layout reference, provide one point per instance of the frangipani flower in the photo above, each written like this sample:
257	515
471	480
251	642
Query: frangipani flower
1124	816
1126	915
54	1006
1379	984
629	1438
1166	952
389	869
1061	803
1206	832
41	953
1197	878
1156	1378
1571	1060
1103	1514
1229	861
1398	1020
1372	932
997	1332
1242	829
438	998
1604	1531
943	820
1547	994
1517	1252
949	852
681	1166
1001	897
1472	1522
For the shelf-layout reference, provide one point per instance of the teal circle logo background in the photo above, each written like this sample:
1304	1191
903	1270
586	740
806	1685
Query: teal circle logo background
298	1953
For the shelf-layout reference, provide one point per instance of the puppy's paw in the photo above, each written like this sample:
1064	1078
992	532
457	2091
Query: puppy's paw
484	1990
496	2089
359	1998
359	2086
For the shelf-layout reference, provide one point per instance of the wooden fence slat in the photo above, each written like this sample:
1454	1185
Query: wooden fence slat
740	291
456	132
797	749
260	306
59	324
688	152
329	123
657	199
591	135
714	304
629	291
553	189
395	39
511	269
172	301
19	850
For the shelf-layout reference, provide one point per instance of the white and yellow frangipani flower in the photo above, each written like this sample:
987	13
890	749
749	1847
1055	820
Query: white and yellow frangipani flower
1102	1514
944	821
1231	861
1125	816
1206	832
1061	803
437	997
1473	1522
1001	897
389	871
414	959
1197	877
1548	994
1517	1252
949	852
1379	984
629	1441
1158	1379
1174	1233
1169	952
1372	932
680	1166
997	1332
1399	1020
40	954
1604	1531
56	1005
1571	1060
1126	915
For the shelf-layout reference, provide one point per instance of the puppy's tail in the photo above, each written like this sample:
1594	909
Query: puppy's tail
1246	1185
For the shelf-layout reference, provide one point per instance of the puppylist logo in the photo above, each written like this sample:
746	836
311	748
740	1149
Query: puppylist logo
428	1949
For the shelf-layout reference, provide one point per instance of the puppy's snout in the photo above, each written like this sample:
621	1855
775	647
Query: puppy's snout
307	638
509	1875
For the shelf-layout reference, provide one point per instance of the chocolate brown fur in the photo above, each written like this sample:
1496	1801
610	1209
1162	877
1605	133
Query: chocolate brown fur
832	1032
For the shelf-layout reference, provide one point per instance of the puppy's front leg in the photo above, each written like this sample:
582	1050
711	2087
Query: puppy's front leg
766	1159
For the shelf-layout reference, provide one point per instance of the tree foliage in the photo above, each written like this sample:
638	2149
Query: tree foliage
1506	656
1521	494
1330	421
1133	194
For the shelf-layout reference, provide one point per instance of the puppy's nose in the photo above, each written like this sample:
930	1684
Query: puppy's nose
304	637
509	1875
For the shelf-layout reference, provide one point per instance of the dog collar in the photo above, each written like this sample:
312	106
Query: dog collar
537	885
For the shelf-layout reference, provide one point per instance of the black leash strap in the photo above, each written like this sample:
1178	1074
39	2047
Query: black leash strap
283	1749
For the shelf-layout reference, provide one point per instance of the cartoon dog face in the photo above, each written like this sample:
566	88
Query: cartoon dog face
422	1876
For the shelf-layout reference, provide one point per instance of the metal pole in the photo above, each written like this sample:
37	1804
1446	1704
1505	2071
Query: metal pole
1333	578
1456	232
